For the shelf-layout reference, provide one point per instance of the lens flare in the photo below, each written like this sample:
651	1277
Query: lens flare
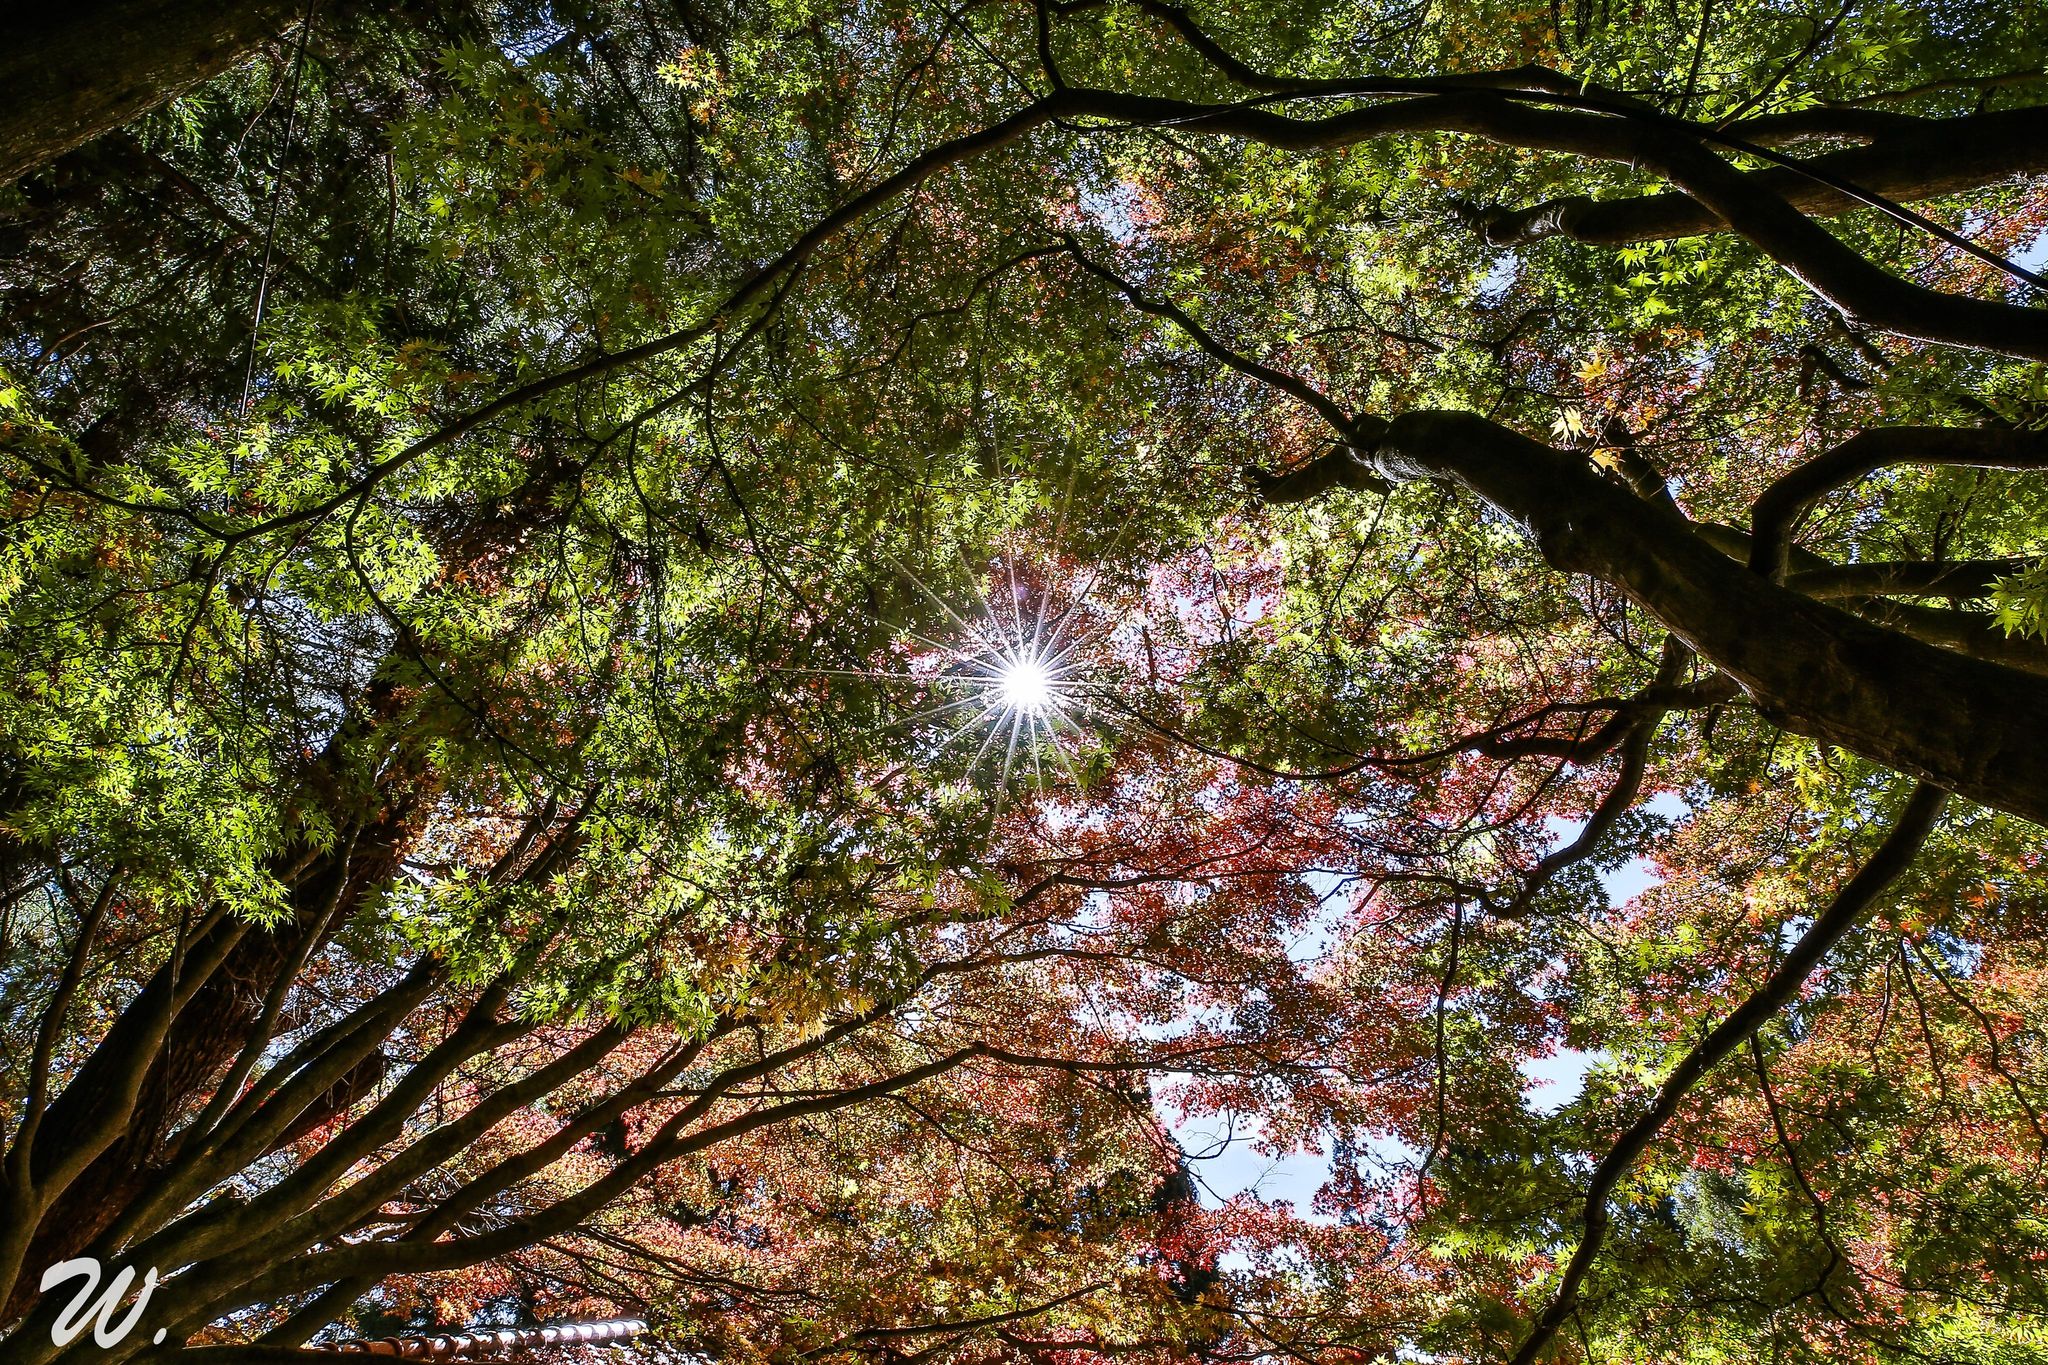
1024	684
1017	681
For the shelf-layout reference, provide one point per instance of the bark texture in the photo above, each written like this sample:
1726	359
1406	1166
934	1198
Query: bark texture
70	72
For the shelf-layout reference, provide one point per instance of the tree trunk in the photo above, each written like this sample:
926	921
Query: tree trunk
208	1032
70	72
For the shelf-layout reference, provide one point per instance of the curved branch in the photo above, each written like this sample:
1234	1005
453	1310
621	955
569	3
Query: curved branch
1791	1151
1500	742
1635	762
1302	392
1668	142
1862	291
1779	506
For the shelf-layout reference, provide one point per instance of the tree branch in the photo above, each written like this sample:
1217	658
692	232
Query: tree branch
1884	867
1779	505
1922	159
1907	578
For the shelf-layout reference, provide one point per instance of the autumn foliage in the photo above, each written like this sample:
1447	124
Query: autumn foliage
751	665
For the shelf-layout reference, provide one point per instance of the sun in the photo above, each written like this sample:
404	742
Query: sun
1024	684
1019	678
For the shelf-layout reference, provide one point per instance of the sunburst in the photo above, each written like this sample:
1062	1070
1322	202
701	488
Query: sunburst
1021	674
1025	684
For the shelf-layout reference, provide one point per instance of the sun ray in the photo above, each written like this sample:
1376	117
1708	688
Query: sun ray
988	611
1028	673
1061	754
969	724
987	743
1016	615
946	708
1017	718
1085	638
941	603
886	675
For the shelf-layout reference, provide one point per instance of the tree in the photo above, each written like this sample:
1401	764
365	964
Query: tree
522	773
75	72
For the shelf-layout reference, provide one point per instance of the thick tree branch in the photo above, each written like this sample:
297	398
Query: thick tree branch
667	1144
1920	159
1966	632
1906	577
1676	149
1810	667
447	1140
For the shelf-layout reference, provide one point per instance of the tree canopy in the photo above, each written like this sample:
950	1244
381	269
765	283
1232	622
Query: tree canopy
730	663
